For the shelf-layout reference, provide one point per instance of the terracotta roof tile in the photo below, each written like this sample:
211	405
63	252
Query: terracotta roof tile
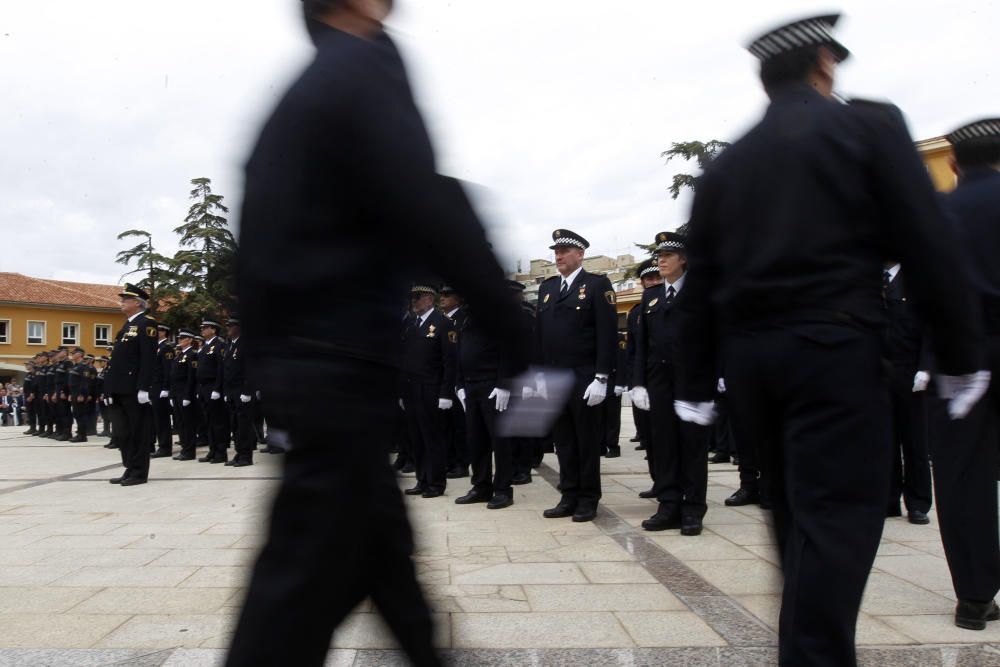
17	288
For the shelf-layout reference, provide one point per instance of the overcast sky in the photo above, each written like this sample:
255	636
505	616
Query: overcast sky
558	108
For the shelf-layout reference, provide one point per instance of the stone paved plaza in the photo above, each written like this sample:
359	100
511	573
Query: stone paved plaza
93	574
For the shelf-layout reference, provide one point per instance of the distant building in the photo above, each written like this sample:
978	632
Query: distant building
38	314
937	154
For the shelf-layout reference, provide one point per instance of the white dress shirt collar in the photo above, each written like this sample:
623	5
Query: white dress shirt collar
423	318
677	285
568	280
136	315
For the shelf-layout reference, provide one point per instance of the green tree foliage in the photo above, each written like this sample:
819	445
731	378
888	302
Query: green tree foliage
699	151
198	279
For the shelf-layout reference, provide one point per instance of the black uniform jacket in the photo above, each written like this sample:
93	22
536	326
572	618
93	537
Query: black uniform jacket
793	224
656	330
234	369
210	359
904	333
133	358
578	330
342	206
183	373
480	358
430	349
164	357
974	207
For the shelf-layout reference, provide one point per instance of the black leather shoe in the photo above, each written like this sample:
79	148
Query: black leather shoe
640	447
207	458
111	445
522	478
719	457
133	481
690	526
415	491
218	460
62	437
584	515
457	472
160	454
499	501
650	493
408	469
117	480
432	493
240	463
736	460
662	522
634	438
104	434
30	431
743	497
184	457
766	504
272	450
893	512
973	615
78	438
613	453
473	497
231	463
560	511
918	517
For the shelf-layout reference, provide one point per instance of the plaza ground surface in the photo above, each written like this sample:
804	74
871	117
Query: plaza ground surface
93	574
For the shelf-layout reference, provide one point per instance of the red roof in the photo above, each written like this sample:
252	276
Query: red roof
17	288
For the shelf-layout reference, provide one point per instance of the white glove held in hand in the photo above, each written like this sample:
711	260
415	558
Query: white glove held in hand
143	397
502	396
244	398
541	389
721	386
445	404
640	398
185	402
962	391
921	380
109	401
164	393
460	393
619	390
216	395
596	393
702	414
527	392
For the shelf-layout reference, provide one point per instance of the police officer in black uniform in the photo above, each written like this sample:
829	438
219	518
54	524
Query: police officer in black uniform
128	384
965	451
789	231
78	390
677	451
450	303
576	331
429	346
30	390
611	419
239	396
213	408
184	394
649	277
60	393
101	365
161	393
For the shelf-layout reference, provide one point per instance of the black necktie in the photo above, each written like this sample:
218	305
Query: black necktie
565	288
671	293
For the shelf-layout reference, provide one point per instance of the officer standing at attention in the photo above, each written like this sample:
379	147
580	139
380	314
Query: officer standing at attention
209	374
101	365
450	303
30	390
677	450
611	419
649	277
127	385
63	411
429	346
78	391
239	396
161	393
576	331
183	393
965	457
784	283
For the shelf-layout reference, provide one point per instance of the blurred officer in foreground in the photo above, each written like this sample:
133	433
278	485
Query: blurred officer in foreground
965	454
127	385
342	180
790	229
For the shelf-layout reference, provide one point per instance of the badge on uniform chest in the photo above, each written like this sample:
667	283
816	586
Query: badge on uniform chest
431	332
132	332
546	299
583	293
653	302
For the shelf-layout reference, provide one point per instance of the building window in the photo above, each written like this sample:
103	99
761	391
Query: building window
70	333
36	332
102	335
4	331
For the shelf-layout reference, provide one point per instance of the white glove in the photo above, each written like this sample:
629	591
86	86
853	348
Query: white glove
541	389
143	397
244	398
216	395
461	397
445	403
502	396
185	402
596	393
619	390
527	392
921	380
962	391
640	398
401	406
258	394
109	400
721	386
696	413
225	399
164	393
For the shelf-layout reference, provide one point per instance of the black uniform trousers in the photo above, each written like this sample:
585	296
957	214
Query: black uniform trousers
677	450
911	470
611	421
339	531
241	418
31	413
216	422
965	485
81	415
105	417
65	416
458	454
132	423
814	401
744	447
484	443
577	435
641	421
161	423
185	418
428	434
